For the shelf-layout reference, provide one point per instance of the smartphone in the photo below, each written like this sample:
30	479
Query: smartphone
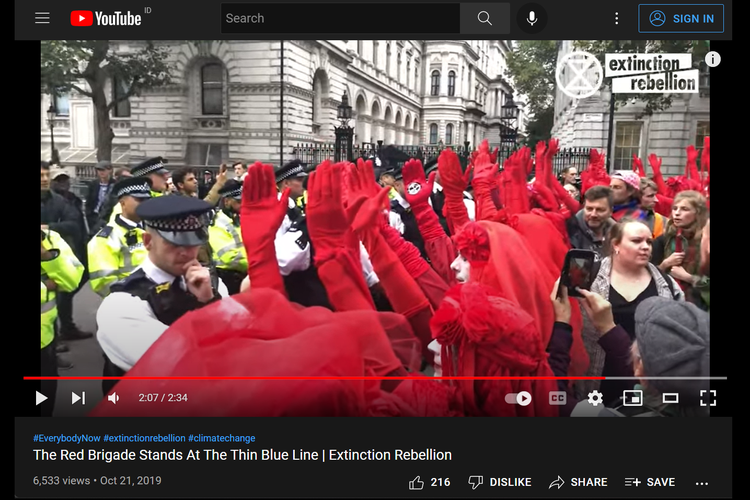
579	271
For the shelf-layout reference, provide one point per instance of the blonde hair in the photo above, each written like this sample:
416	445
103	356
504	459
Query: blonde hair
698	202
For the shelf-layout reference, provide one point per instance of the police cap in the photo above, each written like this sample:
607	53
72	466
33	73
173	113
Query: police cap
431	166
291	170
232	189
150	166
181	220
137	187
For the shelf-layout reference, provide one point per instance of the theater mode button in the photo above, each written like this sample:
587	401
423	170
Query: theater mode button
680	18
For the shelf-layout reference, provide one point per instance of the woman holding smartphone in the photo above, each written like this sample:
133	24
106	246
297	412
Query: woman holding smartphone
626	278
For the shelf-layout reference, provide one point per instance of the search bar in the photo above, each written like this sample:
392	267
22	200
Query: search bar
308	18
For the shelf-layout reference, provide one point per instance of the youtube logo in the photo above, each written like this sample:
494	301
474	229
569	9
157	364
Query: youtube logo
81	18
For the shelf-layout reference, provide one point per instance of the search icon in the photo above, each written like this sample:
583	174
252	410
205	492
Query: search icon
484	17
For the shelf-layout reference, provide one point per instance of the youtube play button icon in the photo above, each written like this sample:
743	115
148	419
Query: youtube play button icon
81	18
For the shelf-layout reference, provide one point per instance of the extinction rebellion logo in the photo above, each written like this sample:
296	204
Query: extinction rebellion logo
580	75
651	73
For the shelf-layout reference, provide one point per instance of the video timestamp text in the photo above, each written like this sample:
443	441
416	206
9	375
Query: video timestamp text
155	397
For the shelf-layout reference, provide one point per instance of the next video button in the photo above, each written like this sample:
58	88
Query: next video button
680	18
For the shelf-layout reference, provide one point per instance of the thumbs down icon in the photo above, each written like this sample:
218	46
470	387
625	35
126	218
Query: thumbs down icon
476	481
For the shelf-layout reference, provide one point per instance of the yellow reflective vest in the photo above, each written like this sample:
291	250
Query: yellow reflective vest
225	240
66	271
115	252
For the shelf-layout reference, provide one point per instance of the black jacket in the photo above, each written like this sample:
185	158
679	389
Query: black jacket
92	196
60	216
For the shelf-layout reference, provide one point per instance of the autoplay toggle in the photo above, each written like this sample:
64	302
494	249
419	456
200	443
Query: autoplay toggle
522	398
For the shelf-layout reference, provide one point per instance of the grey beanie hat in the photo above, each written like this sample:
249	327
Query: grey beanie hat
674	341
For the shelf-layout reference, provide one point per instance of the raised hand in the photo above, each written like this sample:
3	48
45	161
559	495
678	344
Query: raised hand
451	177
553	148
638	166
326	220
418	189
484	166
365	213
692	153
261	211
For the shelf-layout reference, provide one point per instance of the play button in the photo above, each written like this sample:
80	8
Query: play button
523	398
40	398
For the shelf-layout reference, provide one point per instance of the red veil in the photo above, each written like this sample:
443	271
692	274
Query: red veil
493	337
549	249
261	334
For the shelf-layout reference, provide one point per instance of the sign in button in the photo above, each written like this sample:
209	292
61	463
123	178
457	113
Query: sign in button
680	18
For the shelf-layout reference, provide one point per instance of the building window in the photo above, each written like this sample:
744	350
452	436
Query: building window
702	130
388	59
433	134
207	154
119	90
212	84
375	50
452	83
627	144
435	86
398	67
449	134
408	73
62	104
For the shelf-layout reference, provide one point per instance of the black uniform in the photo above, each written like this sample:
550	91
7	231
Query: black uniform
181	221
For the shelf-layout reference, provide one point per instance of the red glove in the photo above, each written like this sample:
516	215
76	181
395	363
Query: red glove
261	214
541	164
655	163
402	291
454	184
408	254
638	167
485	180
552	149
418	191
562	196
705	164
691	167
337	248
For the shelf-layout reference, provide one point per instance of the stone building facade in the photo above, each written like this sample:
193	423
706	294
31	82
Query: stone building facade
256	100
585	123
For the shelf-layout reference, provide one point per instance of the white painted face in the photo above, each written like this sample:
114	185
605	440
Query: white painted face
413	188
461	267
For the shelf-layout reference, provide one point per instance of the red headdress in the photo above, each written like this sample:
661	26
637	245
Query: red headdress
493	337
595	174
261	334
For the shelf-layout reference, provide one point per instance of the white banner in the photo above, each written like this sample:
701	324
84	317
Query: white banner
639	64
672	82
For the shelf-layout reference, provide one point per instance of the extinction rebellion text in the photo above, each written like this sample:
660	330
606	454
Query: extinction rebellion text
429	454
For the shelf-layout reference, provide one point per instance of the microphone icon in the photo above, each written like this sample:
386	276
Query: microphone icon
532	18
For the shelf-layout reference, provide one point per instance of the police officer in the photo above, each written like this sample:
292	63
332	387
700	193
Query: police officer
225	238
294	252
169	283
152	169
61	272
117	249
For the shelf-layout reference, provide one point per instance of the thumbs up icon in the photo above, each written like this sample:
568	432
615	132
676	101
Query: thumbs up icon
416	484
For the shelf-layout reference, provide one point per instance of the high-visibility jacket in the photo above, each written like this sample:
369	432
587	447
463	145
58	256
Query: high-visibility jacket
117	209
66	271
225	240
115	252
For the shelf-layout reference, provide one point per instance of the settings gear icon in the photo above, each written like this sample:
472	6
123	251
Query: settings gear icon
595	398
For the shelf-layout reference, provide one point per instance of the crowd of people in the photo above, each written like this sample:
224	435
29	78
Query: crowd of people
385	290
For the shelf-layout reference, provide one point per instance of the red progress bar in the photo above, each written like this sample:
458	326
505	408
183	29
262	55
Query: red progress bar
314	378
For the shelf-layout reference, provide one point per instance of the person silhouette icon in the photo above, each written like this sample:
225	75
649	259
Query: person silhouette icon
657	18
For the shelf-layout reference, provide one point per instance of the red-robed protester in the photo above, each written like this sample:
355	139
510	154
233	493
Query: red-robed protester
259	333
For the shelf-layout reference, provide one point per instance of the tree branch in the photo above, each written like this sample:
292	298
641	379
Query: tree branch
80	90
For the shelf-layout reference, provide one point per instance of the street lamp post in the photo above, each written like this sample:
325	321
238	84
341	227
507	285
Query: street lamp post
51	114
509	119
344	133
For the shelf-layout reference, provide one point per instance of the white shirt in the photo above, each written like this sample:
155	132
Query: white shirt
436	349
291	257
127	326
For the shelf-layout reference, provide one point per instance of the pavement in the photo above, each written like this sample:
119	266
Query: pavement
87	359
